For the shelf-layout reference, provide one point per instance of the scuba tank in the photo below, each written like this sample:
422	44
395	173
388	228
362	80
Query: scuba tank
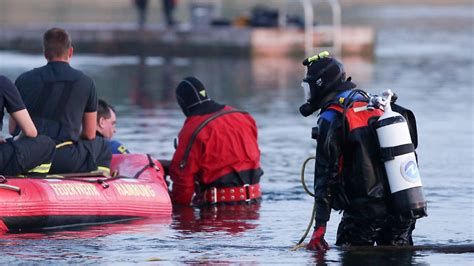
398	155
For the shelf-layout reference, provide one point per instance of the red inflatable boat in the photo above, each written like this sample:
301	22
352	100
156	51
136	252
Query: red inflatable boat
137	190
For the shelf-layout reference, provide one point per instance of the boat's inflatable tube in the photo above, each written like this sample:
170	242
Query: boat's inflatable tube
139	190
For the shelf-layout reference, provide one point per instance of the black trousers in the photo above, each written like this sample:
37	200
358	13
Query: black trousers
20	156
373	223
168	6
82	156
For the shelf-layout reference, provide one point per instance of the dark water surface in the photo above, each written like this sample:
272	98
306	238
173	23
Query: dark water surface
424	54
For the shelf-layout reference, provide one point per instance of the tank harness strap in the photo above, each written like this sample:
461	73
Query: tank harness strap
182	164
389	153
232	194
389	121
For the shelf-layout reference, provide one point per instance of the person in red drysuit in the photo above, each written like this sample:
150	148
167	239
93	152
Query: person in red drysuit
222	163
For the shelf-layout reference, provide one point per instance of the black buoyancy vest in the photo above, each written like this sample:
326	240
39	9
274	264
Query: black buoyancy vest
360	166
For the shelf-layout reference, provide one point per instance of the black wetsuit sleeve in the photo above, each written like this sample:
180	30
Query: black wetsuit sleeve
328	153
11	97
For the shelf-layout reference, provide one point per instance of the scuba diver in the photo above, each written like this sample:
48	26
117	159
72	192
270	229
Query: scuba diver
352	169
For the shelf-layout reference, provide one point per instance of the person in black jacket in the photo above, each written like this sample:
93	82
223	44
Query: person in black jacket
349	174
62	102
29	152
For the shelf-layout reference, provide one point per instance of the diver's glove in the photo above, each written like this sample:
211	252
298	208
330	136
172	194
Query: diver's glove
317	241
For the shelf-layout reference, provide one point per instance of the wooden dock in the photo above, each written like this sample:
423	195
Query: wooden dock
187	41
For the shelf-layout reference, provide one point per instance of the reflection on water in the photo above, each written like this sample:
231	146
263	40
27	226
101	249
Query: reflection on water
232	219
387	257
439	89
149	82
132	226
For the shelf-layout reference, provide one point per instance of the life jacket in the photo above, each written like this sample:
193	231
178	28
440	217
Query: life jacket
360	169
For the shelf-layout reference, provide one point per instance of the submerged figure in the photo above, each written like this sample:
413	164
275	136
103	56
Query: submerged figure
106	122
29	152
217	159
62	102
349	172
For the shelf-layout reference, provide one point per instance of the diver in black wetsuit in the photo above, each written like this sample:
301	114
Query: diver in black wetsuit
349	174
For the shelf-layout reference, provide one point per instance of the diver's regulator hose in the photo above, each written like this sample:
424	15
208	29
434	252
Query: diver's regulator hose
313	214
303	167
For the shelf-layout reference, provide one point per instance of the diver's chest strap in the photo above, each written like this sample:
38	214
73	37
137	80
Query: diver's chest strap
232	194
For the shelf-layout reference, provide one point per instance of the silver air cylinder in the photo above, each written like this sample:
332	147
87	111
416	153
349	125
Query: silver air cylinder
398	154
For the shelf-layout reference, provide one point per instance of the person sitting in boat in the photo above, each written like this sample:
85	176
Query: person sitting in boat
106	121
62	102
217	159
29	152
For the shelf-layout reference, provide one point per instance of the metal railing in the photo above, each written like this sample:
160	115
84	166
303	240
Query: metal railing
309	7
309	10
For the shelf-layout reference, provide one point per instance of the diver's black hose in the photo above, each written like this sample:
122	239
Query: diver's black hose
313	214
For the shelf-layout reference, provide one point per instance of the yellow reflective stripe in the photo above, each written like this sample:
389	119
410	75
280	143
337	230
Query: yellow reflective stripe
122	149
64	144
323	54
42	168
103	169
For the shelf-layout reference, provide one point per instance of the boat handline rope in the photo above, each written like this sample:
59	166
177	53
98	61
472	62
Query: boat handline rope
10	187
